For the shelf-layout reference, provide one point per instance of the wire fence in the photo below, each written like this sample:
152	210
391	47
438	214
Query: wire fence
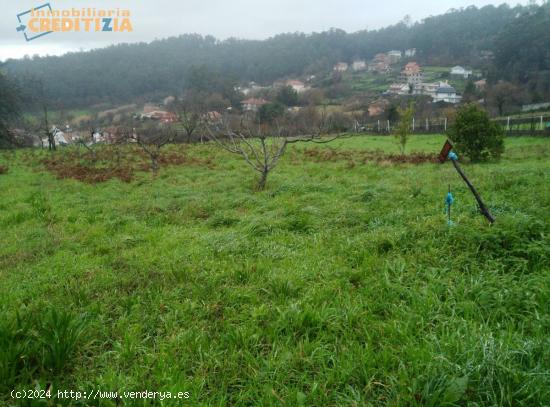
538	125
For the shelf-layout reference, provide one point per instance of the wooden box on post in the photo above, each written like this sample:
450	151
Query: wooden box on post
445	151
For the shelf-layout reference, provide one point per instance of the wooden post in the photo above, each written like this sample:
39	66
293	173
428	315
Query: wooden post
541	123
413	124
427	125
378	125
388	126
444	156
482	207
508	124
445	124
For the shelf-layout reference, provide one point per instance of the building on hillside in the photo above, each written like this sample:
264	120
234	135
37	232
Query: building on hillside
341	67
395	56
412	74
253	104
359	65
487	55
380	64
381	58
168	100
447	94
298	86
411	52
400	89
59	137
213	117
460	71
97	137
161	115
250	88
379	67
481	84
430	89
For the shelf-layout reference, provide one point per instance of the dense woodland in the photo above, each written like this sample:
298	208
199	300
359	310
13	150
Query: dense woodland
518	36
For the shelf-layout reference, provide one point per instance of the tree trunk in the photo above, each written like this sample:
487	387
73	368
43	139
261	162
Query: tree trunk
263	179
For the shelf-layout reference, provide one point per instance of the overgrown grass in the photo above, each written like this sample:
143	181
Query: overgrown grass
341	284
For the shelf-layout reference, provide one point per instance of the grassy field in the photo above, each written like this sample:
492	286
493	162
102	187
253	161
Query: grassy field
341	284
368	81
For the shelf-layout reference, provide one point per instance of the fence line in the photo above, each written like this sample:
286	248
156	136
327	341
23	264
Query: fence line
522	126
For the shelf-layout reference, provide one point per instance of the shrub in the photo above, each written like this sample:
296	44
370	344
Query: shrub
475	135
271	111
3	169
339	122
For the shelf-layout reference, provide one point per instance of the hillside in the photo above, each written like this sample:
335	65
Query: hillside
139	72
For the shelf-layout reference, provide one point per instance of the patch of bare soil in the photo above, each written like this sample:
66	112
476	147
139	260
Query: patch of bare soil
104	164
364	157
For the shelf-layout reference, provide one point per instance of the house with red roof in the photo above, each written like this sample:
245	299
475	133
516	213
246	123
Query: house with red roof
253	104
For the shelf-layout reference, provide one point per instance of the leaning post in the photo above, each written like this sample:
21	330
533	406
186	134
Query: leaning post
447	153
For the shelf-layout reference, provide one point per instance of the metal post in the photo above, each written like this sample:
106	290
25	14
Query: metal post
541	123
379	126
508	124
445	124
388	126
413	124
427	125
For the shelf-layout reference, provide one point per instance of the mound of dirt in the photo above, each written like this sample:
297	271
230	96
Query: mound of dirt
376	156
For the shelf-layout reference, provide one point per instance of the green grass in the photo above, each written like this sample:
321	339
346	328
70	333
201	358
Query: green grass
368	81
341	284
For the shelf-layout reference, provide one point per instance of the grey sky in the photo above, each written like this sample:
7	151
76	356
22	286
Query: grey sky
257	19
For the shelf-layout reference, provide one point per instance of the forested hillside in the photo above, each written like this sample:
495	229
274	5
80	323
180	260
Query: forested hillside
518	37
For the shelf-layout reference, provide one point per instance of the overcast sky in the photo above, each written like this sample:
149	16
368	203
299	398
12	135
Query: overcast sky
254	19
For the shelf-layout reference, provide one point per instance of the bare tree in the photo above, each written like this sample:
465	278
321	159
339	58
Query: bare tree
87	147
151	140
47	131
503	96
403	129
50	136
190	111
262	145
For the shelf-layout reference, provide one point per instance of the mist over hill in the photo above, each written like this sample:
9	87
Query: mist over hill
518	37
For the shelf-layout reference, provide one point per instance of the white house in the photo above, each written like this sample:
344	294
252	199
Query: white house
359	65
447	94
298	86
399	89
411	52
394	56
430	89
341	67
460	71
58	136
